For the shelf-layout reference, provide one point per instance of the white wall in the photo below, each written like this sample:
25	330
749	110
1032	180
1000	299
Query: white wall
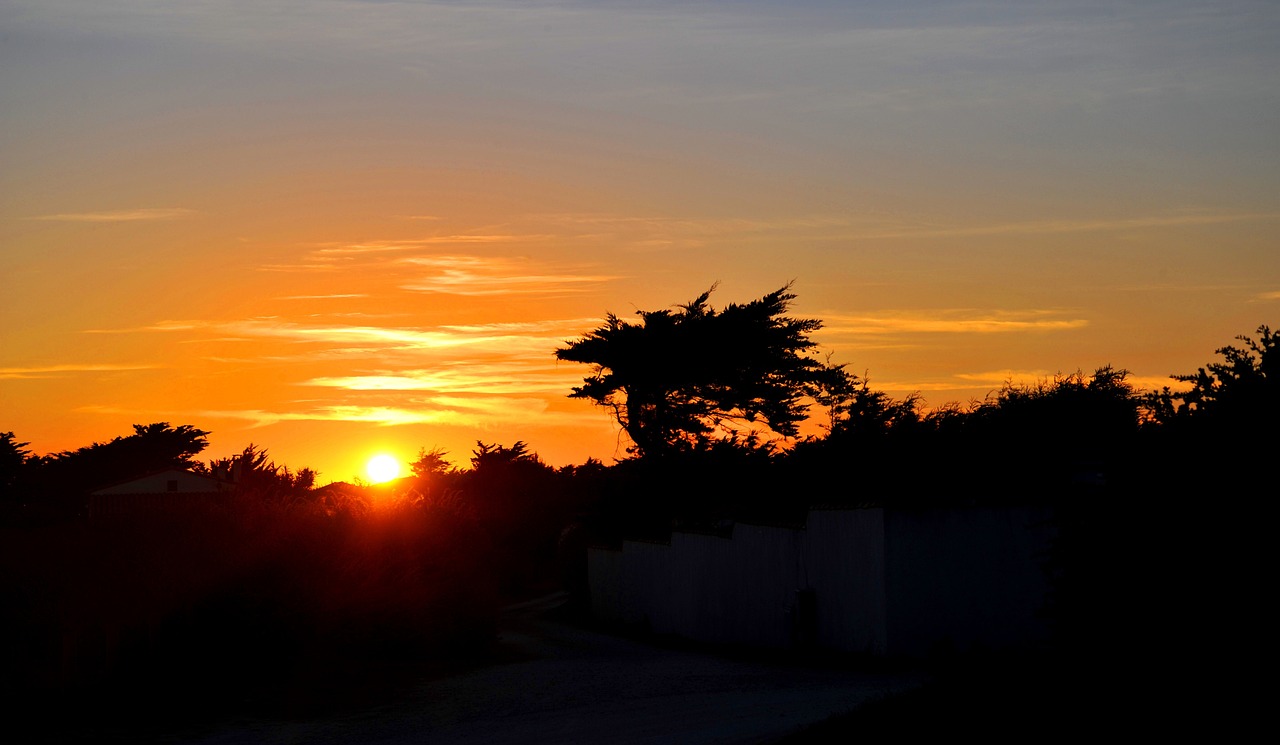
158	483
846	552
885	582
965	577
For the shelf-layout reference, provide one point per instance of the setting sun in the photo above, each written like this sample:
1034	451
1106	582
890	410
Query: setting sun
382	468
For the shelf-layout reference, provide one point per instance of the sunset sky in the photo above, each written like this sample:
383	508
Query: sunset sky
336	227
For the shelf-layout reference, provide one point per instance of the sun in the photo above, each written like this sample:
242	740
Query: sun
382	468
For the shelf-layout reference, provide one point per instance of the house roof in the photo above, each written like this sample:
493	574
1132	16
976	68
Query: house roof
123	487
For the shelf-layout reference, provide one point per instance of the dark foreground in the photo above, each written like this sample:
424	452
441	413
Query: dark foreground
550	678
555	681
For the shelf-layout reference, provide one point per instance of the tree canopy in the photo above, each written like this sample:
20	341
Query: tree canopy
1242	387
151	447
13	457
680	374
431	463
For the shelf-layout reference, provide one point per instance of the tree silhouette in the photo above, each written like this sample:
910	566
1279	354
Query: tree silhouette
151	448
1244	386
430	463
14	457
254	474
681	374
496	456
1071	425
858	411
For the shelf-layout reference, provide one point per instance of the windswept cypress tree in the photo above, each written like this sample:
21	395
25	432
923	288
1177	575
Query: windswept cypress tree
680	374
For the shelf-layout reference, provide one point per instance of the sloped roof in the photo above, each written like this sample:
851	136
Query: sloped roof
146	483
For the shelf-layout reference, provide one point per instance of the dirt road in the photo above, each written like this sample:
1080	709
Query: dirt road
569	684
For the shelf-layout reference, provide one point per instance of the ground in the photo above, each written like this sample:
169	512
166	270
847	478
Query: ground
557	681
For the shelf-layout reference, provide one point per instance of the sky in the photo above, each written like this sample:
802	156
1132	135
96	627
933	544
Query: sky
335	228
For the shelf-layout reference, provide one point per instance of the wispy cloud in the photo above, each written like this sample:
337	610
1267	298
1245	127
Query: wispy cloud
335	296
137	215
997	378
1065	226
505	339
1267	297
493	379
480	276
959	321
1156	382
415	243
50	371
659	231
383	415
979	384
485	411
157	326
475	341
389	254
305	267
1007	375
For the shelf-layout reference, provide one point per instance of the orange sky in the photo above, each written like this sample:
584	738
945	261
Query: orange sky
341	228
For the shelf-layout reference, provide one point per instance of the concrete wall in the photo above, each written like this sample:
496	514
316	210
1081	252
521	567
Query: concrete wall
846	564
965	577
868	580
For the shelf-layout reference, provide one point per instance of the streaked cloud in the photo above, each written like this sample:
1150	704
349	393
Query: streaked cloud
658	233
990	381
307	267
901	388
948	322
330	256
382	415
1156	382
1000	377
480	412
335	296
137	215
533	339
506	339
157	326
997	378
654	231
1033	227
492	379
50	371
481	276
1266	297
415	243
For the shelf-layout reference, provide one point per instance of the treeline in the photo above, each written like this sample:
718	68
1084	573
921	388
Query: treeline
276	597
1092	438
1076	434
703	395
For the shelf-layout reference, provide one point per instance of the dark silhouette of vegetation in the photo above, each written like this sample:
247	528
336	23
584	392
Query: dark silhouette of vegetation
288	596
679	375
1239	390
14	457
151	447
252	472
855	411
291	580
430	463
56	486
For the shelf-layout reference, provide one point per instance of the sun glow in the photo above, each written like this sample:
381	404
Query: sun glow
382	468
